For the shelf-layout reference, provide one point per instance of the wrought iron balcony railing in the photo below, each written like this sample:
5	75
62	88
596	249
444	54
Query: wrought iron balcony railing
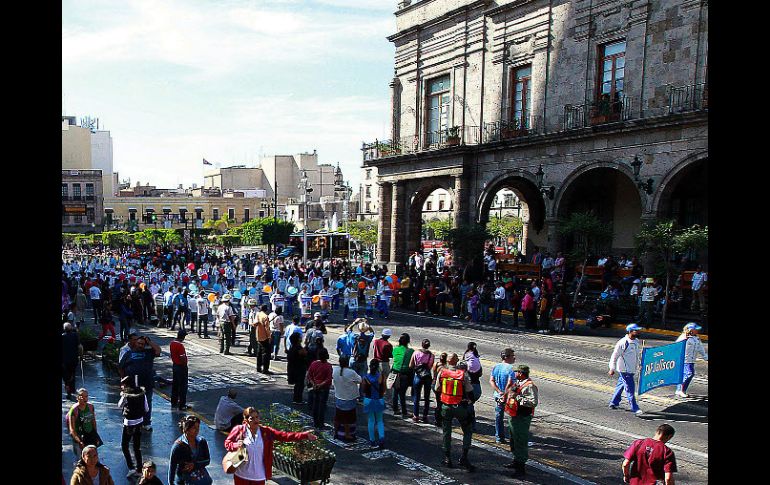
688	98
506	130
603	110
459	135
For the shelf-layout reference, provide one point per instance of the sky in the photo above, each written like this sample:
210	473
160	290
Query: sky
176	81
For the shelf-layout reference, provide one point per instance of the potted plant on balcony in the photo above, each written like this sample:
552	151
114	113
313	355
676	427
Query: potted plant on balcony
453	136
305	461
387	150
512	129
605	110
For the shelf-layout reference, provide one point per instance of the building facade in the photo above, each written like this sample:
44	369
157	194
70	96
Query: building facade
82	201
574	105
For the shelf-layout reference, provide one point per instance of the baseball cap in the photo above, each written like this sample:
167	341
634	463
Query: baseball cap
252	302
317	314
692	326
386	332
632	326
649	280
227	297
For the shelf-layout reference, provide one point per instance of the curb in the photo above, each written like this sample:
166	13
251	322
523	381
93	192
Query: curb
581	322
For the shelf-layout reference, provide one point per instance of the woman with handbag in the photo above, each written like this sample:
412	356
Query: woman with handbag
189	455
422	362
257	440
81	421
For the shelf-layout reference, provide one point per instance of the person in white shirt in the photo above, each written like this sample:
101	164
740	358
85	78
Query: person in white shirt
203	314
624	360
693	349
277	300
499	301
292	328
647	306
699	280
275	321
228	413
96	301
346	392
351	301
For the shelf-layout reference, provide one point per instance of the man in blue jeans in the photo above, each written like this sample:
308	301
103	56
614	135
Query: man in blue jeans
501	373
624	360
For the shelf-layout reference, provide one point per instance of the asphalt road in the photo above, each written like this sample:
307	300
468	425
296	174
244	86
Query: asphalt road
575	437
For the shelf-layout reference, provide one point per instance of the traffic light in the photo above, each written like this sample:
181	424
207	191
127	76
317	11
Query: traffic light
154	218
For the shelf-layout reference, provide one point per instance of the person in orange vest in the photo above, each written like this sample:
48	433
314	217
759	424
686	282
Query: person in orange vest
456	390
520	402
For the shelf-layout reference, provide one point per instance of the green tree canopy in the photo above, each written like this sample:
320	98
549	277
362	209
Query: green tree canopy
663	240
505	227
587	232
467	244
439	228
365	232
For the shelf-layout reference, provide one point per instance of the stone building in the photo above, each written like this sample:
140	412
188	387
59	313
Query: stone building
574	105
81	200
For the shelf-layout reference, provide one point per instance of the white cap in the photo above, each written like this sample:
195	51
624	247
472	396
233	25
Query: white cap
386	332
317	314
227	297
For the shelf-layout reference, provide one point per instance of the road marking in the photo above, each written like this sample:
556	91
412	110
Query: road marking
624	433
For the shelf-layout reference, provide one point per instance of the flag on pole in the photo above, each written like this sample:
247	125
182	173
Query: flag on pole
662	366
206	162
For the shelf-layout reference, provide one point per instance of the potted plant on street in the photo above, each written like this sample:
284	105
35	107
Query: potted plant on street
453	136
305	461
110	353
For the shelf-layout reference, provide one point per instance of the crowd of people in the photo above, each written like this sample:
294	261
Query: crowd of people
198	289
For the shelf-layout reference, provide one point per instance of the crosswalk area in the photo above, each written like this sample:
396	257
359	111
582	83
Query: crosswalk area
224	380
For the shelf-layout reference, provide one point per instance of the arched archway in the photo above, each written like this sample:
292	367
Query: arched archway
533	210
415	202
683	193
608	191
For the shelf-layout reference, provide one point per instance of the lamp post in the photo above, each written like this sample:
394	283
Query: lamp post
646	185
344	188
305	190
546	190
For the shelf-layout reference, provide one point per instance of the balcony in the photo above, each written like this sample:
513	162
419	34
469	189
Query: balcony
508	130
692	97
435	140
597	113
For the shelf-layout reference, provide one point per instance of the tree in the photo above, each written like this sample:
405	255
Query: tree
364	232
439	228
663	240
586	231
277	232
220	225
467	244
504	227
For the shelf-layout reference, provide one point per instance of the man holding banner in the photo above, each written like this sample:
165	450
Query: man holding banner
625	360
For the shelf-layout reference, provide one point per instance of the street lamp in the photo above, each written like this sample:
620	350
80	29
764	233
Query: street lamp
546	190
346	190
306	189
647	185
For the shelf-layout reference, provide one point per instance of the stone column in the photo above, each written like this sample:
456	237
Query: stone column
383	223
395	103
397	227
460	210
554	239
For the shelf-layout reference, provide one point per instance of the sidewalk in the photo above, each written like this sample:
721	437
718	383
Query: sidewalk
412	452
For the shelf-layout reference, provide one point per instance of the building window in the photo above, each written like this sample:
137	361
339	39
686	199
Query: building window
78	218
65	191
89	191
90	215
437	111
368	207
368	175
132	216
231	214
216	214
198	214
246	215
368	191
521	102
262	214
612	62
75	191
183	215
441	204
429	205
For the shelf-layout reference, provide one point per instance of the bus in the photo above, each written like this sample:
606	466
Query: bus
322	245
